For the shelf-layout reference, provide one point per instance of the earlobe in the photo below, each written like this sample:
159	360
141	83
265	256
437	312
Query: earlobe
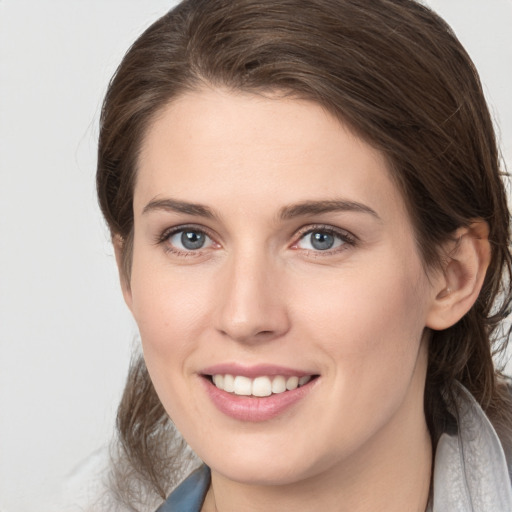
467	258
119	246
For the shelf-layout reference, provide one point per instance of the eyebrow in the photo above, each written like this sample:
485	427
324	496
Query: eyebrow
286	213
173	205
318	207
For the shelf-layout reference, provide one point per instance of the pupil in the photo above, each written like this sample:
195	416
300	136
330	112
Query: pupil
322	241
192	240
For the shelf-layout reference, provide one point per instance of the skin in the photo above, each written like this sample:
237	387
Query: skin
258	292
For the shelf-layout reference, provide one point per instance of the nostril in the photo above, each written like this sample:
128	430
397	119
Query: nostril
252	324
245	334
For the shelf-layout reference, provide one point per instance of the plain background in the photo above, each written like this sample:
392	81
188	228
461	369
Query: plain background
65	334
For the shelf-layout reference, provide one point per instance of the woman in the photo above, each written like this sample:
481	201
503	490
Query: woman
312	234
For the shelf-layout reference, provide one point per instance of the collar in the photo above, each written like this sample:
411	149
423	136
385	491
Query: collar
190	494
470	472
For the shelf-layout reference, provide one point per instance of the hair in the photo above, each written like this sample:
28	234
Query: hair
391	70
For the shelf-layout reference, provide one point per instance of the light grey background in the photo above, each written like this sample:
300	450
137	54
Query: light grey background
65	335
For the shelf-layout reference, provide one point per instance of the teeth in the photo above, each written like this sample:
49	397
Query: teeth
292	383
218	380
243	386
260	386
279	384
304	380
229	383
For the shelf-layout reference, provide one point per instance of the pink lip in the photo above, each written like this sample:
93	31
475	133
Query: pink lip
250	408
253	371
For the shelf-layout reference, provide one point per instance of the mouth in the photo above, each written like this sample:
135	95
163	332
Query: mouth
259	392
260	386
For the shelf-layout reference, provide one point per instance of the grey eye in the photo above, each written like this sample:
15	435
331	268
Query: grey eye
320	241
190	240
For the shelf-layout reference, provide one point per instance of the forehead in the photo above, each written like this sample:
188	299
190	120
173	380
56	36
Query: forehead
220	147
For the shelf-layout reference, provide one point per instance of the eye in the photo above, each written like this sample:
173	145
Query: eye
186	240
323	239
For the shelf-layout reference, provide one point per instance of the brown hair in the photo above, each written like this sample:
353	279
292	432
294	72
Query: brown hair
397	75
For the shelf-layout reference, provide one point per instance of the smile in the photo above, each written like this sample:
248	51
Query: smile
258	393
260	386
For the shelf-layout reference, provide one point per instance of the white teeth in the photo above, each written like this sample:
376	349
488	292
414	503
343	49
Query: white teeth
279	384
260	386
292	383
218	380
304	380
243	385
229	383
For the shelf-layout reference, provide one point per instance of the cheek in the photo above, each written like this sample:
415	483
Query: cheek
170	308
171	315
364	306
369	331
370	325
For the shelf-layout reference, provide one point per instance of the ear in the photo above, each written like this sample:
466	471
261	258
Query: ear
118	242
457	287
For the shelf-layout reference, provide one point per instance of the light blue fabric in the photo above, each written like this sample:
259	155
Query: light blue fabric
190	494
470	473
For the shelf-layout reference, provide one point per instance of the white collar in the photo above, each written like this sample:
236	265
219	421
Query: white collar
470	472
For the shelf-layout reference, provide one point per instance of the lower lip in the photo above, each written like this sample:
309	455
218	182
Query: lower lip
254	409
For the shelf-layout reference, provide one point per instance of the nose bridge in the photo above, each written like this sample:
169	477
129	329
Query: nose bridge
251	305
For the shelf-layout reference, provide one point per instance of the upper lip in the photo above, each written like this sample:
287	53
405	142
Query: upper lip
254	371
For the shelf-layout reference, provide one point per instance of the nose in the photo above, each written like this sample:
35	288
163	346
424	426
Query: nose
251	305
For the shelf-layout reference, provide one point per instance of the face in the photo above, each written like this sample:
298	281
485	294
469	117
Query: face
277	287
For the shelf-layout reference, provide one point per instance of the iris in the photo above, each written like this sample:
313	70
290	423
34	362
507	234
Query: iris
192	240
321	241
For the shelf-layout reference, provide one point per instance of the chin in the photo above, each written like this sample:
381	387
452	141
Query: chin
274	465
265	473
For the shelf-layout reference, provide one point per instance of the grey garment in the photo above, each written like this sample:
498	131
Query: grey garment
470	472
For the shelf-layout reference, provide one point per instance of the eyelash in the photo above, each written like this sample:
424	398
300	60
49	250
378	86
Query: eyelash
163	239
346	238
